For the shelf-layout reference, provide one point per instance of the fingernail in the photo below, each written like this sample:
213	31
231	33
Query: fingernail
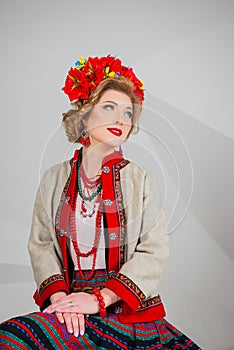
76	334
82	332
45	310
70	330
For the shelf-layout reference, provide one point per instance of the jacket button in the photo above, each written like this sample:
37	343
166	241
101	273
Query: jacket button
62	233
67	199
112	273
106	169
118	310
113	236
107	202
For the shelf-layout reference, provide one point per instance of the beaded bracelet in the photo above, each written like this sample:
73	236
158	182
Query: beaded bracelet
102	308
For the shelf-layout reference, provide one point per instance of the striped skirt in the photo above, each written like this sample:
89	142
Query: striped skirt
43	331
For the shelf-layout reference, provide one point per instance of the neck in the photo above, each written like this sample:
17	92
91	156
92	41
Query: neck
92	158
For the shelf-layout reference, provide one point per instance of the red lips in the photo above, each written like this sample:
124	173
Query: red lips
115	131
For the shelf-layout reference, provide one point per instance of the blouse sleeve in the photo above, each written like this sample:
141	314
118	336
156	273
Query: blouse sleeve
139	277
45	261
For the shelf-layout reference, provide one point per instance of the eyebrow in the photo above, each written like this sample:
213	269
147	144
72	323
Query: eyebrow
116	104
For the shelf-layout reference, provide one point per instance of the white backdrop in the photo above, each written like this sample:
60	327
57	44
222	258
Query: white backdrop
183	51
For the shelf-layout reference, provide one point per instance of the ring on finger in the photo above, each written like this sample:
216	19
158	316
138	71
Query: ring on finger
70	304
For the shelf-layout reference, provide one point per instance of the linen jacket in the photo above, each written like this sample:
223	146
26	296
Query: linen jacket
138	243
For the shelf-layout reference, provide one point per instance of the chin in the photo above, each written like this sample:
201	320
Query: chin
114	142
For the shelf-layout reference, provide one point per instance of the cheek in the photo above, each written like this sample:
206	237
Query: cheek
97	122
127	127
97	133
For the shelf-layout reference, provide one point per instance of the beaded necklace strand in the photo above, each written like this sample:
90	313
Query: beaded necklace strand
89	184
95	193
98	220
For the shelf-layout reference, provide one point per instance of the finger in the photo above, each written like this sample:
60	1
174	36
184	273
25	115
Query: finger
70	310
75	324
81	323
68	322
60	317
63	306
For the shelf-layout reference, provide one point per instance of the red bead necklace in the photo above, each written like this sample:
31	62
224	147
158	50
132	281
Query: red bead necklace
90	182
98	221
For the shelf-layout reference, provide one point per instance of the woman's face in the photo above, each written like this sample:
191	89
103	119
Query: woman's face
110	121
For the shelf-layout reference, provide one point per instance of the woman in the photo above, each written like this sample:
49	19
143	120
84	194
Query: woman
98	242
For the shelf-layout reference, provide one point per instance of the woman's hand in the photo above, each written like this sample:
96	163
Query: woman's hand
55	297
80	303
75	323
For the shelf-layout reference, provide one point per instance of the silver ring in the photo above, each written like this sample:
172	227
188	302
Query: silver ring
70	303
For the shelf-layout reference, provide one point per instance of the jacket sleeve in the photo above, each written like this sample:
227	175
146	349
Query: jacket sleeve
139	277
46	263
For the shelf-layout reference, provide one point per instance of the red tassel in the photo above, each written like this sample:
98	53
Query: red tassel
84	210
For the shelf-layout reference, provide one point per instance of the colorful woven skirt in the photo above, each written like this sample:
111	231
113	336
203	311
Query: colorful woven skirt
43	331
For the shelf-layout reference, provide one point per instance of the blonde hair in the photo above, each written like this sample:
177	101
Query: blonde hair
73	120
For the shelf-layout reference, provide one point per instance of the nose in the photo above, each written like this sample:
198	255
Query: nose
119	118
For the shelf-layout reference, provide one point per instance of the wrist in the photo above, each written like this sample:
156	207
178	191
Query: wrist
101	303
109	296
56	296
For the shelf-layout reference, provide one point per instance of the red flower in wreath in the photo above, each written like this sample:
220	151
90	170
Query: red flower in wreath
76	85
88	73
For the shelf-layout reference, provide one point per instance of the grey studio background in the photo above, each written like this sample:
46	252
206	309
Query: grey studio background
183	51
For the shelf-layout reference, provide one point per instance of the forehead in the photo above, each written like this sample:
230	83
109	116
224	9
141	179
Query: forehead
115	96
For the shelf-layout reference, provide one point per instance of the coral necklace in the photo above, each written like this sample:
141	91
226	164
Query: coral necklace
98	220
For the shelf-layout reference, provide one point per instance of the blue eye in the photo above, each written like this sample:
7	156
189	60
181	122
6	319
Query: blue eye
128	114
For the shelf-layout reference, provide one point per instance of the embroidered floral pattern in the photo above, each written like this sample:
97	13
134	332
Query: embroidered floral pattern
62	199
120	208
150	303
98	280
127	282
50	280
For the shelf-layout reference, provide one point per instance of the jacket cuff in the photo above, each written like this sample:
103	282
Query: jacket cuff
51	285
127	290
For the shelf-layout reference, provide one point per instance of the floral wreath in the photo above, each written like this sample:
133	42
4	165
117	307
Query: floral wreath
89	72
